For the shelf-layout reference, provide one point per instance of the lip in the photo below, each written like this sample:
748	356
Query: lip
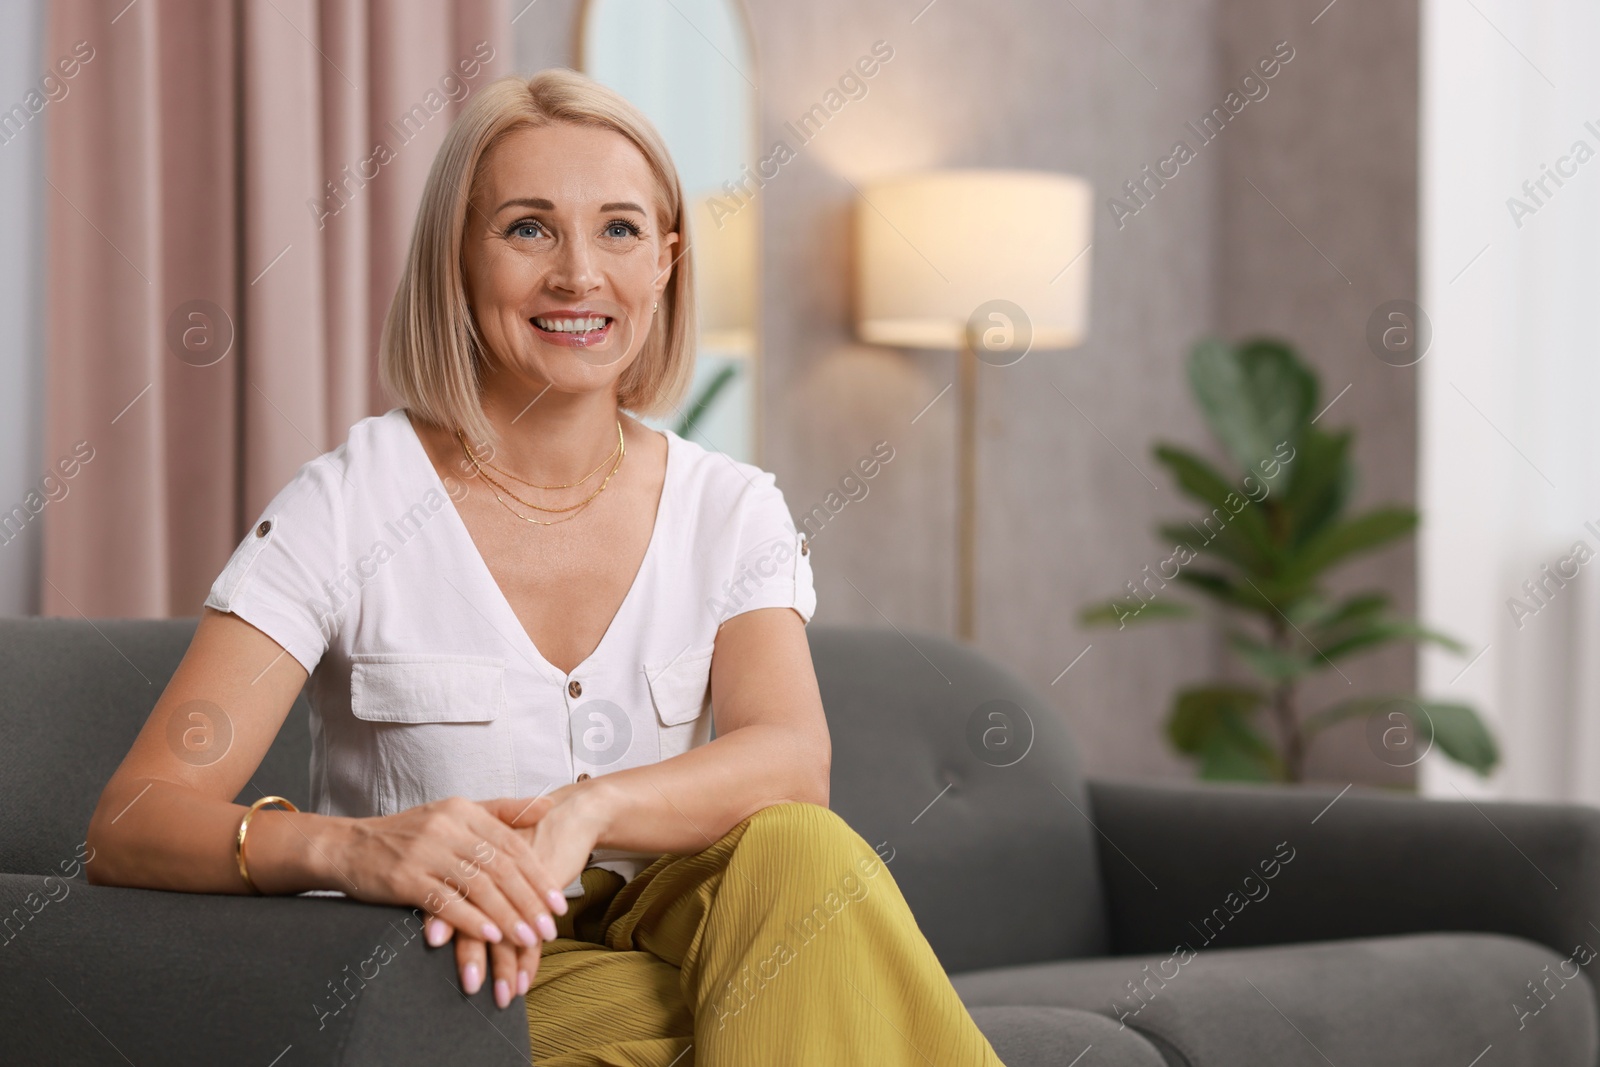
585	339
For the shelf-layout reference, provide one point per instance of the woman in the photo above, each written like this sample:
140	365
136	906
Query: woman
513	603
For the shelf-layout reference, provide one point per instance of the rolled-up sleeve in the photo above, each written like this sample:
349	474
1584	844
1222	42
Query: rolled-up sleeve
286	578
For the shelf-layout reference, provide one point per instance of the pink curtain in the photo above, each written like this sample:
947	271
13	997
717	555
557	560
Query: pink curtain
231	188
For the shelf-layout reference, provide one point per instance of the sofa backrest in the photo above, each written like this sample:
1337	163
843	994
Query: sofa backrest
73	695
966	781
962	777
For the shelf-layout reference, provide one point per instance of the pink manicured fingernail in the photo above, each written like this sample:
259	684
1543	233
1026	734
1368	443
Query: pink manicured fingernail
437	932
522	983
525	934
502	992
547	927
557	901
472	979
491	932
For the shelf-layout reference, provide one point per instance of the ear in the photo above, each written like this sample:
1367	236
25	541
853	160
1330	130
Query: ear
666	261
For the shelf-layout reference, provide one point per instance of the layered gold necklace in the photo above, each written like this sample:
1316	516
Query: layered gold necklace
617	453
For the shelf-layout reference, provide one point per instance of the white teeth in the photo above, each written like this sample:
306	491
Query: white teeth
570	325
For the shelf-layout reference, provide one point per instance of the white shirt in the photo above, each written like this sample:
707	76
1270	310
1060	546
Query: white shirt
424	683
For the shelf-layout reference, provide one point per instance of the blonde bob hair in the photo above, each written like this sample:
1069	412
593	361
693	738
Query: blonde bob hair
430	353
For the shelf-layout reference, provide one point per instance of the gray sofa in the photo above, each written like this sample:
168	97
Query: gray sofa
1088	923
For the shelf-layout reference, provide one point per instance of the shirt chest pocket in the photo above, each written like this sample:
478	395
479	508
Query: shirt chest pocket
437	727
680	689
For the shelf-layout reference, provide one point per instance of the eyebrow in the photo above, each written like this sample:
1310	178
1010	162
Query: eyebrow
526	202
545	205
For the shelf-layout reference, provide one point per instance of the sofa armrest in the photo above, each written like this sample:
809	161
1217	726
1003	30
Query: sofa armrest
98	974
1189	864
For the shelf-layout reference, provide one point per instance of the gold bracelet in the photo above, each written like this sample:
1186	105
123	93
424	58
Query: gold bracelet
244	824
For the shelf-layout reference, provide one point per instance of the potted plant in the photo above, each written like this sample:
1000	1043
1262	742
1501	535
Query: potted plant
1262	553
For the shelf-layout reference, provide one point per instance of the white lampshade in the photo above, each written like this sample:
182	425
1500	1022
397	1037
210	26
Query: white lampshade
725	269
935	248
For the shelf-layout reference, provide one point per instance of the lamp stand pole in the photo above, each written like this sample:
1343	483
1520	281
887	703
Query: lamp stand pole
967	488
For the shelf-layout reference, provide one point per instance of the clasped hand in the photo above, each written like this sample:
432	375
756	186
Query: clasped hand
488	874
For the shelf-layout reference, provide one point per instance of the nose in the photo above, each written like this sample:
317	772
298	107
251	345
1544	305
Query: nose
574	271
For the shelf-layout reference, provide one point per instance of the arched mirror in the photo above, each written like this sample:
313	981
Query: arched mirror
689	66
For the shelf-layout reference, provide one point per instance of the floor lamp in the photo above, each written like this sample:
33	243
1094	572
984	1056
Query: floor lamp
989	263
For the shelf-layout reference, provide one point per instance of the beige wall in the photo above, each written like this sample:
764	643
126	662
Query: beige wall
1334	147
1065	517
1062	516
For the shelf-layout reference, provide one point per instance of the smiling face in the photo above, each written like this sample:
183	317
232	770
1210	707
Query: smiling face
563	256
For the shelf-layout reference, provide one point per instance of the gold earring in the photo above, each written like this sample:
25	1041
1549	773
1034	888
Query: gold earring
655	305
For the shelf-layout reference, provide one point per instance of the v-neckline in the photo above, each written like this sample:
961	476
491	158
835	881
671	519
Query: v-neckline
531	650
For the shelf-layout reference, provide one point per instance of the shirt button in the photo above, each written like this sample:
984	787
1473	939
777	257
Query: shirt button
805	547
575	688
265	528
584	777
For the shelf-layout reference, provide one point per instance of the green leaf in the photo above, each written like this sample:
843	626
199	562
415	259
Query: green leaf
691	419
1123	612
1381	632
1320	482
1255	397
1194	475
1239	754
1357	608
1462	736
1214	723
1361	534
1454	729
1202	481
1222	541
1220	588
1263	598
1197	712
1272	664
1298	603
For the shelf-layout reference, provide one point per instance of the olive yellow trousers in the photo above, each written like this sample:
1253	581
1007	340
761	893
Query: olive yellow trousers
785	942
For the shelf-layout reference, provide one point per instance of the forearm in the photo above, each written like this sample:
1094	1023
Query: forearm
685	803
161	835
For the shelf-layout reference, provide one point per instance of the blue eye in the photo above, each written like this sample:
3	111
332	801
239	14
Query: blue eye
628	228
519	229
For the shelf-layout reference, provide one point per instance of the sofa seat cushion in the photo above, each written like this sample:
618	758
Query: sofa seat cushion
1062	1037
1402	1001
